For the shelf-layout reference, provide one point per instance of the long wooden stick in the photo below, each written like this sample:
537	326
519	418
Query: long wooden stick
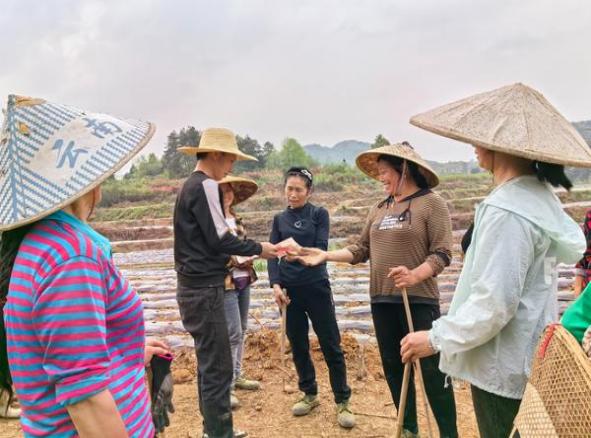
283	330
417	364
402	404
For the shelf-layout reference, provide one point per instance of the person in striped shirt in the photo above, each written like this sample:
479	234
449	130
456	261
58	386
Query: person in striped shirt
407	239
75	335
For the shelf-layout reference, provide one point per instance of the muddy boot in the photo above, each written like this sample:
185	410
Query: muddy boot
345	417
247	384
7	411
234	402
305	405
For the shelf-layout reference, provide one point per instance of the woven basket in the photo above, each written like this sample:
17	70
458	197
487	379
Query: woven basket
557	399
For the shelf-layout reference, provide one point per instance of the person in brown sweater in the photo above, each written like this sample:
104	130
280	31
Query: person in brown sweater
407	239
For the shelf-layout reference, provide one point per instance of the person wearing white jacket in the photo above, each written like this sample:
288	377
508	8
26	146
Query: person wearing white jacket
506	293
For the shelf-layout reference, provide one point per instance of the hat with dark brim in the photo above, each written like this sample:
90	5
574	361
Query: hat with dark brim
368	161
217	140
515	120
243	188
52	154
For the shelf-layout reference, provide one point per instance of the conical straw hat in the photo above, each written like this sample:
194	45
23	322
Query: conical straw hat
217	140
516	120
243	188
51	154
368	161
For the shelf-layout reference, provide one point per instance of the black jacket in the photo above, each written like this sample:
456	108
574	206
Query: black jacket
309	226
202	239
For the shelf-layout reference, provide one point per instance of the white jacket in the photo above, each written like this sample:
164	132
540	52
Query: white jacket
506	293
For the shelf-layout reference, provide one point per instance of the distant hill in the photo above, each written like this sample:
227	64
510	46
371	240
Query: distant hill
349	149
584	128
344	150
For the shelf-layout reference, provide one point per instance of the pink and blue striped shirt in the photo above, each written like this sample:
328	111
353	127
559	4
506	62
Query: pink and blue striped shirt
74	328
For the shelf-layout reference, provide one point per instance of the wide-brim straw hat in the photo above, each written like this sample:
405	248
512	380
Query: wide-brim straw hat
243	188
51	154
217	140
515	120
368	161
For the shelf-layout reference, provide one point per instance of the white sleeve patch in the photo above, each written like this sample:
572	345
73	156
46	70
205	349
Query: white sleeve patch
212	194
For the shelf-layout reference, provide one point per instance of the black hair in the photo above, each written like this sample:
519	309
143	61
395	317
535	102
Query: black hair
10	242
201	155
552	173
413	168
303	173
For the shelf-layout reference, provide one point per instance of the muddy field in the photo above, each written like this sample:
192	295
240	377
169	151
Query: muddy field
266	413
144	255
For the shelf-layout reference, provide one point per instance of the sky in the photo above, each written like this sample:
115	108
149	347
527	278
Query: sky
320	71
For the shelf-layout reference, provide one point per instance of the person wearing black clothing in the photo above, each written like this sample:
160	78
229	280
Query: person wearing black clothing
308	296
202	244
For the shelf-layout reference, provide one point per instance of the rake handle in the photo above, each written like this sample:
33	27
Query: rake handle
417	366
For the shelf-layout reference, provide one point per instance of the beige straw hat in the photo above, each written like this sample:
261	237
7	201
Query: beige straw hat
368	161
516	120
217	140
243	188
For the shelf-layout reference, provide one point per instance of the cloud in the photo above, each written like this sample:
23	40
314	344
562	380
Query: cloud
319	71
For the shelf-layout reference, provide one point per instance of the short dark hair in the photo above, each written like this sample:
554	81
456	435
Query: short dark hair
396	163
201	155
302	172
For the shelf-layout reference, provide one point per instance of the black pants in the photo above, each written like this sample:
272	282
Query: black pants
390	325
315	301
494	413
203	316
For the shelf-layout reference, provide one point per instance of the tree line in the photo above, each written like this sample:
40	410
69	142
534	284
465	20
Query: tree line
174	164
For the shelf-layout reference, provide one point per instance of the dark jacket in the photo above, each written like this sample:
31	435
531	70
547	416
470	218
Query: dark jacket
309	226
202	239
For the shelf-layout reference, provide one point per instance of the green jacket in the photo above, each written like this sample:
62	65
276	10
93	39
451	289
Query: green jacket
577	317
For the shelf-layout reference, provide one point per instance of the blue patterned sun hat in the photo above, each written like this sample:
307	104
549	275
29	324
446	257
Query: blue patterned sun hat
51	154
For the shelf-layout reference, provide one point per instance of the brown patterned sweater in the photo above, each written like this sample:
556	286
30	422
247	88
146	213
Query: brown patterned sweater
409	233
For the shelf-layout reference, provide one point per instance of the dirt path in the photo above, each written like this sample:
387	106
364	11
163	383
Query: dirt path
266	413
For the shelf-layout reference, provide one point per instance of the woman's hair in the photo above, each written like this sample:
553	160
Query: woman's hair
301	172
397	163
10	242
552	173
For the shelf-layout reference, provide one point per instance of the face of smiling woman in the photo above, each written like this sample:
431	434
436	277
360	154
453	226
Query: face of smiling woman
388	176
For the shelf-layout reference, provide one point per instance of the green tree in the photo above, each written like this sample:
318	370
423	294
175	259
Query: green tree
291	154
252	147
149	166
268	149
176	164
380	141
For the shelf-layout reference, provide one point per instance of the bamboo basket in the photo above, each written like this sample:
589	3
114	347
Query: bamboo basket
557	399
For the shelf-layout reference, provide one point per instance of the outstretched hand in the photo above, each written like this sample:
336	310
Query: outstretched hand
310	257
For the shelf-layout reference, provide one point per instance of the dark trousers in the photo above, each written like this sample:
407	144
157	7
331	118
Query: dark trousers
203	316
315	301
390	325
494	413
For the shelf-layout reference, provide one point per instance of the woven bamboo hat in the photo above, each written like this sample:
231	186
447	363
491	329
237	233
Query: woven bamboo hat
368	161
243	188
217	140
51	154
515	120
